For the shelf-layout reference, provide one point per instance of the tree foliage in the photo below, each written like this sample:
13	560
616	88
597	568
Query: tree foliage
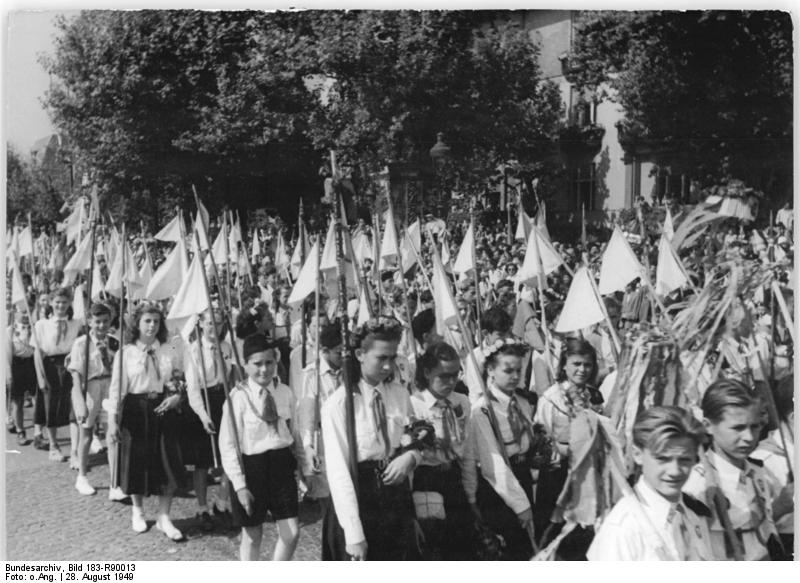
30	189
160	100
712	89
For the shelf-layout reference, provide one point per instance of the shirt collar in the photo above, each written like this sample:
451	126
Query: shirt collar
144	348
501	397
256	389
431	401
57	319
726	470
367	389
659	507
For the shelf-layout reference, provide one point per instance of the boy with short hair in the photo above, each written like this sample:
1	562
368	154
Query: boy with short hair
264	480
88	406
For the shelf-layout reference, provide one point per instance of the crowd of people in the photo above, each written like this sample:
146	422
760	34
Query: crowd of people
467	437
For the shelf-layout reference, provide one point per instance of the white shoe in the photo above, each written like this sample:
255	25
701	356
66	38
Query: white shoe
83	486
117	495
164	524
138	522
96	446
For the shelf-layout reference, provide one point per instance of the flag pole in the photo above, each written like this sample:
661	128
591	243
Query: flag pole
199	332
317	413
614	335
226	310
476	277
118	412
350	418
304	306
376	246
409	337
540	285
85	387
220	360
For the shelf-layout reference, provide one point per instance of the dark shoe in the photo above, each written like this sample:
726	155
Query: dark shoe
40	442
206	522
28	402
22	439
11	428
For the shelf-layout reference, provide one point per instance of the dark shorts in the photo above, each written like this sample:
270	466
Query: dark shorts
23	376
270	478
194	441
54	405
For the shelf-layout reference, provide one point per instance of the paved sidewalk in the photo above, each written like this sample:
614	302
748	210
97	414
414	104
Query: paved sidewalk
48	520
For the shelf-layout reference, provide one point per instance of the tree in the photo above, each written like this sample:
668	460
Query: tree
712	91
247	105
161	100
30	190
396	79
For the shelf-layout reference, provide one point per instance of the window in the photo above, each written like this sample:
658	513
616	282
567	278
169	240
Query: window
582	186
674	186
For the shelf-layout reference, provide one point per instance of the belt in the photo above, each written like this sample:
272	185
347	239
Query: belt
372	465
55	357
152	396
101	377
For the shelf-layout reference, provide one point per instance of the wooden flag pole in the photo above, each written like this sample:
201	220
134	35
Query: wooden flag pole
614	335
476	277
350	418
540	285
304	305
377	254
204	379
85	387
409	337
118	412
317	413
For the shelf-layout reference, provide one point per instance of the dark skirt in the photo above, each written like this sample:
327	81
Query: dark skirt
387	517
501	519
149	456
270	478
23	376
195	443
449	539
54	404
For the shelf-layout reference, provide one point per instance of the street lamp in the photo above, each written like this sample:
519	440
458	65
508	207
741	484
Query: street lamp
439	153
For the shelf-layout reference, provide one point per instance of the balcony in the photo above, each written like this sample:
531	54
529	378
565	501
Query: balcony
581	139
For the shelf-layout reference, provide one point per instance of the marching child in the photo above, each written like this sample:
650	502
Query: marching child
501	495
55	336
22	375
88	406
753	499
200	424
440	472
264	480
659	523
378	524
319	384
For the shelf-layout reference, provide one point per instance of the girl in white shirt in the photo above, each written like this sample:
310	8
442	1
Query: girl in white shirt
146	424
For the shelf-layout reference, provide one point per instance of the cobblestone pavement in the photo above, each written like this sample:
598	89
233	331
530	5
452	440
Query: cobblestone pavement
48	520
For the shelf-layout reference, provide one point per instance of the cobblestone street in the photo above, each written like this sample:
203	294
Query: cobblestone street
48	520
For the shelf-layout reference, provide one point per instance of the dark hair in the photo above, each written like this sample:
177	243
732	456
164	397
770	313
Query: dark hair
100	309
784	397
576	347
248	319
496	319
656	425
422	323
61	292
434	354
552	310
132	331
384	328
426	297
267	270
724	393
330	335
511	347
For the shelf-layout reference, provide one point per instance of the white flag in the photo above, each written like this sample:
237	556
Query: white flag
445	306
80	261
540	254
620	265
582	306
171	232
306	283
465	260
190	300
670	273
166	281
412	240
669	227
